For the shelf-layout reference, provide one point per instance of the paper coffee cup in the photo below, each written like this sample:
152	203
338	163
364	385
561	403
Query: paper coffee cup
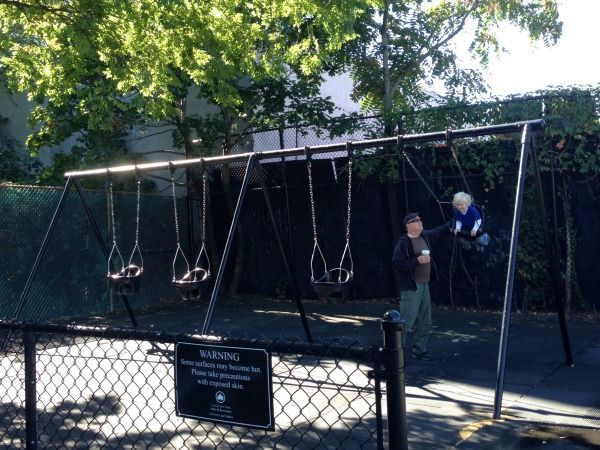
425	252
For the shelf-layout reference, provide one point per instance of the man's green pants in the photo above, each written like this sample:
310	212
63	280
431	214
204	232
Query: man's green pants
415	307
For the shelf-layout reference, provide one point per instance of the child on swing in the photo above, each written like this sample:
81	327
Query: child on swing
466	216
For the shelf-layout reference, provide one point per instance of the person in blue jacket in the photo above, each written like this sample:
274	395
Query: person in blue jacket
413	264
466	216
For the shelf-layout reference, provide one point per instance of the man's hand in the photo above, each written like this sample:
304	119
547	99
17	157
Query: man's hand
423	259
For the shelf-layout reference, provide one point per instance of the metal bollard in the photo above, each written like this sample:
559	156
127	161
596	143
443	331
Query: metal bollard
31	429
392	325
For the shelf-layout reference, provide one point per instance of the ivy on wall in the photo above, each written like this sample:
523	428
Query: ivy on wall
568	148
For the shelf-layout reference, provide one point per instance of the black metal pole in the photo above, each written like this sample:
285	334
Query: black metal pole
265	190
552	255
556	244
392	325
288	213
377	366
281	138
228	243
31	431
103	247
510	275
42	251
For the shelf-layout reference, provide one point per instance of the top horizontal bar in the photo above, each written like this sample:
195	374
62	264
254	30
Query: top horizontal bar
327	148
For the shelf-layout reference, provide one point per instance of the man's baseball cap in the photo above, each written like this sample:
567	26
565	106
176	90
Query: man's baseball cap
410	216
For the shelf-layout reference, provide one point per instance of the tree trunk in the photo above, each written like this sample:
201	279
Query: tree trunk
387	94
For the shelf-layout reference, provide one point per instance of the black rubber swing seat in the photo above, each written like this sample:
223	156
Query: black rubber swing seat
334	284
126	281
467	234
191	285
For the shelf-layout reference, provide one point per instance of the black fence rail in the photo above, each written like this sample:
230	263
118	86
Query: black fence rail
82	387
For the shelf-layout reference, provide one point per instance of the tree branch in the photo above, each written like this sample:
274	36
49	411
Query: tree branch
443	41
28	6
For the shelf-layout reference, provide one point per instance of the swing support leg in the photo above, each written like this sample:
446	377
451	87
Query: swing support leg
227	249
38	259
552	254
284	259
510	275
42	251
103	246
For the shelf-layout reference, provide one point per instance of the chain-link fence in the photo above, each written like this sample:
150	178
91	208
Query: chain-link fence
68	387
71	280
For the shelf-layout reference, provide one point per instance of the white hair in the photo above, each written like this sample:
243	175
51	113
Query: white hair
462	197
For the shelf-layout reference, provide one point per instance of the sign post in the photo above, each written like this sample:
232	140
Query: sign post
223	384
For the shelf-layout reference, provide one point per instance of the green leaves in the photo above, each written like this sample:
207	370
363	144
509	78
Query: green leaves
97	57
405	47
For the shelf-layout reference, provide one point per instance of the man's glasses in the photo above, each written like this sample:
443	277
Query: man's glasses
414	221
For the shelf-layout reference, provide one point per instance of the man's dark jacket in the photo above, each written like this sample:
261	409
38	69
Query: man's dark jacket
404	259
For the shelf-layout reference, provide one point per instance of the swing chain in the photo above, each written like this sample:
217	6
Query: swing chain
204	187
347	246
414	168
316	247
179	250
310	189
115	247
137	212
349	149
136	246
112	210
174	203
455	156
400	144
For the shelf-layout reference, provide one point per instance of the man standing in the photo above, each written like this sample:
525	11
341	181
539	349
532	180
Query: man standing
412	263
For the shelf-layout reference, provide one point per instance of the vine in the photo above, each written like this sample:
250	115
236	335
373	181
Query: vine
569	145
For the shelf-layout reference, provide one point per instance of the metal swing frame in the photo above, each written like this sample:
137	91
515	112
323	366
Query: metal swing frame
525	128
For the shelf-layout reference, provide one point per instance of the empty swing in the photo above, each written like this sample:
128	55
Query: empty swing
190	284
125	281
335	282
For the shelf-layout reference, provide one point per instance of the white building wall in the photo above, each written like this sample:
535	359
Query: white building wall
156	142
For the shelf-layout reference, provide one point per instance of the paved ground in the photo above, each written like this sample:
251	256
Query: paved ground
449	400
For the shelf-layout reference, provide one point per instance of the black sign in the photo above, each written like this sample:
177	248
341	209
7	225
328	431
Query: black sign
224	384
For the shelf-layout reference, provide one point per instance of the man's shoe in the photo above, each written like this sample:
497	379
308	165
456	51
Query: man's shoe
425	356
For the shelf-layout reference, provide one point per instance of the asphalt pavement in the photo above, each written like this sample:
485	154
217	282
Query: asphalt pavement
450	400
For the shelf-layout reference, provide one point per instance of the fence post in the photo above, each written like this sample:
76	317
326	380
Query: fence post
31	437
392	325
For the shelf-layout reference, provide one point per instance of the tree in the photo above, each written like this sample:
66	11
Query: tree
143	53
404	46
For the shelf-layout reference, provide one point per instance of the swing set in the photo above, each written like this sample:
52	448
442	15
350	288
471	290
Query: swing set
125	279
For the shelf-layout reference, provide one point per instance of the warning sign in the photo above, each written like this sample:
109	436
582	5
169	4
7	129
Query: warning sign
218	383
